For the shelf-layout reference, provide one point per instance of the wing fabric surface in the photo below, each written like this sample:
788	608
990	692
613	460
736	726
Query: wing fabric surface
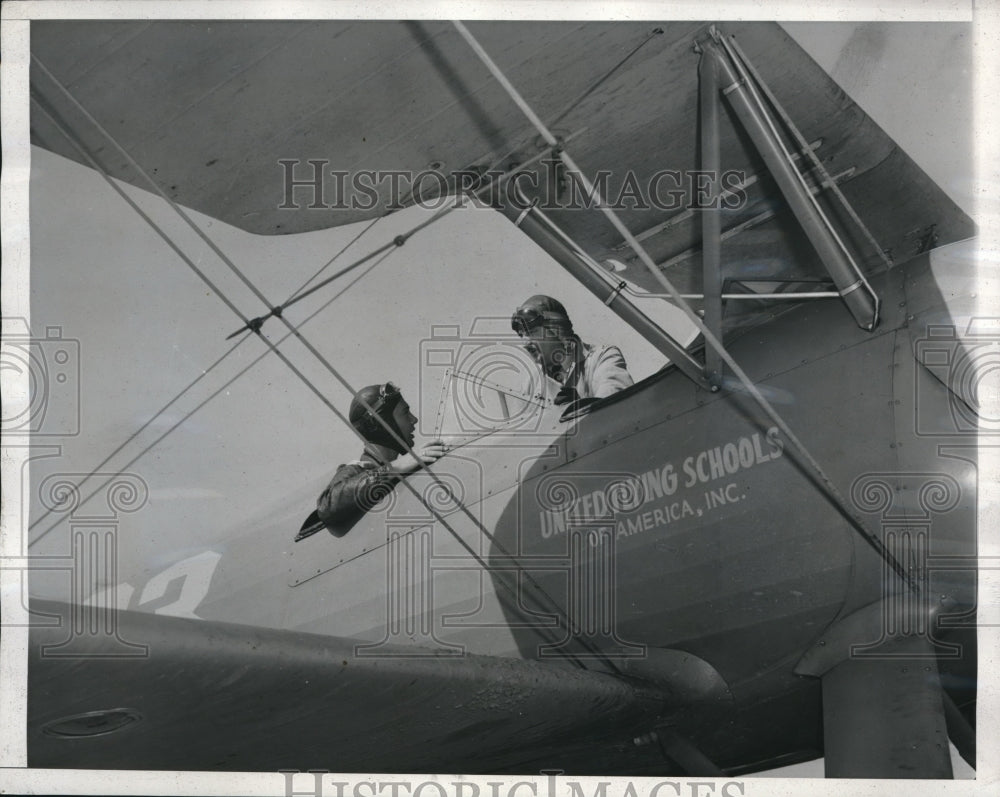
222	696
205	108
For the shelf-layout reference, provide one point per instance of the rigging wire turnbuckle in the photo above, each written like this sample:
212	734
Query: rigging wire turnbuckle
255	324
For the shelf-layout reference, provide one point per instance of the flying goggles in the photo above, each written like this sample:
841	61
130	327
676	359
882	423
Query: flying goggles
386	393
526	319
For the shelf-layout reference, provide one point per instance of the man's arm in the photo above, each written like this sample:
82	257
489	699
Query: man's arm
352	492
609	373
356	488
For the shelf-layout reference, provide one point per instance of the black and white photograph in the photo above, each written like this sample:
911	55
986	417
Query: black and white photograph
596	404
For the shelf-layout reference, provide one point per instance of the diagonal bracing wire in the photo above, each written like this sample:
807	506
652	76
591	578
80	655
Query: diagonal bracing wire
575	102
294	297
572	104
204	373
332	260
831	490
513	592
192	411
132	437
254	324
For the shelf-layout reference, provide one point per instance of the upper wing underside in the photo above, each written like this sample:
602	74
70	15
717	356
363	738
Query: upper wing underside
211	109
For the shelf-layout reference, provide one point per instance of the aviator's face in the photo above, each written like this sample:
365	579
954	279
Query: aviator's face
405	421
550	351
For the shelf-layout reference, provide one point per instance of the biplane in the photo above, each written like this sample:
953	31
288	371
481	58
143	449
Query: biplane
758	555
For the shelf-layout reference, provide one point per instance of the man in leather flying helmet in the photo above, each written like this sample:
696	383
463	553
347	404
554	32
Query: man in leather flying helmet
585	373
359	485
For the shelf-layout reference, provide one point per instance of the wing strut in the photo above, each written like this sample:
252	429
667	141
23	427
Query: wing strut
556	243
711	218
885	717
741	92
826	180
816	470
